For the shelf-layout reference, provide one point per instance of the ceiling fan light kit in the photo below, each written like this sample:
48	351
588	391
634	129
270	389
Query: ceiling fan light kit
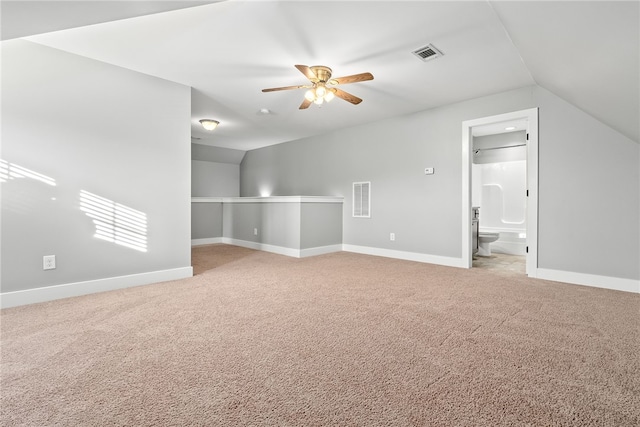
319	94
323	88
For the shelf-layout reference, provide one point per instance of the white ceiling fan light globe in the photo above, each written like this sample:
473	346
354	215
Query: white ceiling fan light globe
321	91
310	95
329	96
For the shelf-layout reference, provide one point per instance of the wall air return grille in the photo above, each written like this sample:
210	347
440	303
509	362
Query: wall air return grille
362	199
428	53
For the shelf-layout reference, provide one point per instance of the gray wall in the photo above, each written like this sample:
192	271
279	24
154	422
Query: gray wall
215	172
206	220
208	153
589	193
424	211
213	179
320	225
278	224
86	125
286	224
588	181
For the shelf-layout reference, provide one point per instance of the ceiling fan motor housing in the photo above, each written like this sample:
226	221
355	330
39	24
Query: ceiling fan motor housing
323	73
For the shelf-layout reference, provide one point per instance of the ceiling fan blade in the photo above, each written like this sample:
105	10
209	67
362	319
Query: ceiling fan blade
305	104
273	89
347	96
308	72
362	77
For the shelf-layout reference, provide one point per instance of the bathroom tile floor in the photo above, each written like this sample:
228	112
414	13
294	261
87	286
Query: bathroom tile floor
502	263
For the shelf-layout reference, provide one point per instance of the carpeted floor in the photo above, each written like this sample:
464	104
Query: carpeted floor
257	339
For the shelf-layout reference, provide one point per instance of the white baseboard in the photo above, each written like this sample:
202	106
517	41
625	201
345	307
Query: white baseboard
606	282
407	256
49	293
280	250
207	241
320	250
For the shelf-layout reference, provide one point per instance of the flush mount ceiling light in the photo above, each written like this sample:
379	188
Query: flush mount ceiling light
209	124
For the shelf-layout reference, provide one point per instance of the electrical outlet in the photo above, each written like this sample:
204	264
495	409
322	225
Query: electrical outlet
392	237
48	262
255	231
429	171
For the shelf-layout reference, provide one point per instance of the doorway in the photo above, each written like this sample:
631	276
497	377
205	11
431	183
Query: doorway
527	121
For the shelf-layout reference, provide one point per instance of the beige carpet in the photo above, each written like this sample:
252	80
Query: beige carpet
256	339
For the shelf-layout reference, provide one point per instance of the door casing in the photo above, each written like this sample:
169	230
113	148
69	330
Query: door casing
531	115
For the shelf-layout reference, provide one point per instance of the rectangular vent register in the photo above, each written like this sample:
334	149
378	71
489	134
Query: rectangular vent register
428	53
362	199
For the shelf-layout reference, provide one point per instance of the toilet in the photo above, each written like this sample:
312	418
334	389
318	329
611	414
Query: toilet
484	243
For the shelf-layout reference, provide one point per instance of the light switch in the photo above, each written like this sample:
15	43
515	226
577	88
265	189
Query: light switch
429	171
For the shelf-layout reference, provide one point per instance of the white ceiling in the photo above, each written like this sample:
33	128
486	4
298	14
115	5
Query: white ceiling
28	17
227	51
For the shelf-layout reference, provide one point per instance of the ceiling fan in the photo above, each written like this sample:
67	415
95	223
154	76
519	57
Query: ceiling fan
323	87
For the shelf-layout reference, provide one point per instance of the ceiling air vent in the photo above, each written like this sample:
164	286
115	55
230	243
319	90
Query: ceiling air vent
428	53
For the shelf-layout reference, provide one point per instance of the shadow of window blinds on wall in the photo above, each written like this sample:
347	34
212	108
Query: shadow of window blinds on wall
114	222
10	171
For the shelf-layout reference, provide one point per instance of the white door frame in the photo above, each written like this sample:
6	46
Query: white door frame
532	184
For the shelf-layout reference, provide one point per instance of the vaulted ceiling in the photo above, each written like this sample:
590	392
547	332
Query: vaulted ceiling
227	51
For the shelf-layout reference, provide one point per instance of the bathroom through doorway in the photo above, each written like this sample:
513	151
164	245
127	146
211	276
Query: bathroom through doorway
500	202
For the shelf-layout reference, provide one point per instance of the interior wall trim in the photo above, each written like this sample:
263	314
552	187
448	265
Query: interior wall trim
320	250
270	199
407	256
531	115
606	282
280	250
207	199
206	241
284	199
50	293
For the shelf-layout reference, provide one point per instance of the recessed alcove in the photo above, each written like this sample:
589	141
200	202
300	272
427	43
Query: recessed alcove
296	226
